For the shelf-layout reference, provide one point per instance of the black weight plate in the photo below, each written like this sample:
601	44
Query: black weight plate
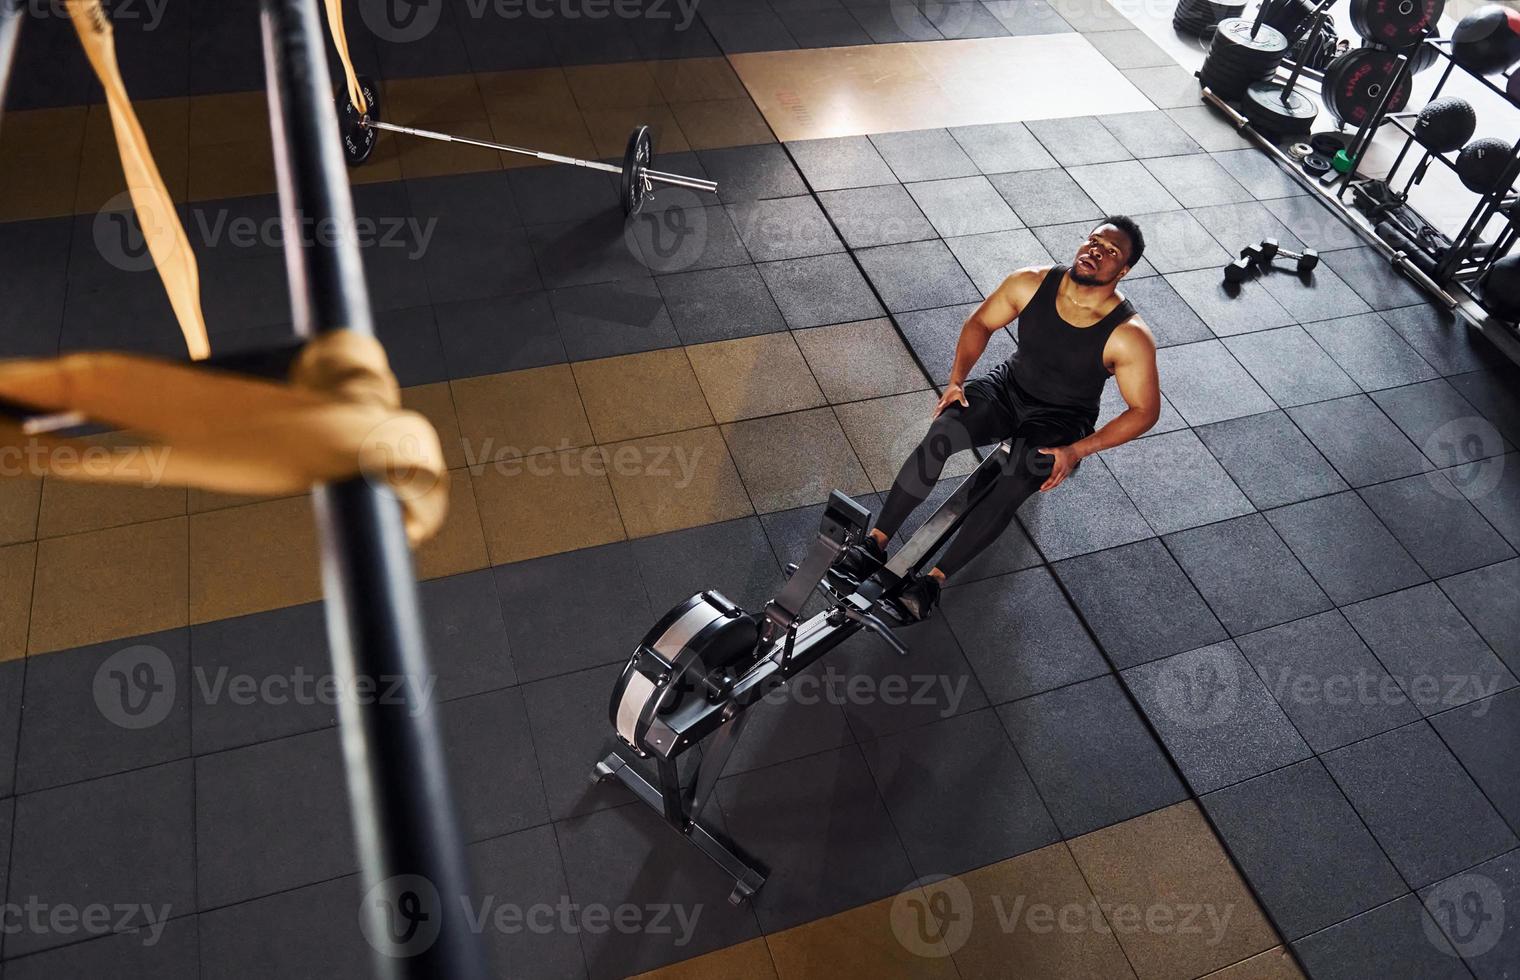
358	140
1325	144
1265	106
635	162
1315	165
1355	83
1396	23
1235	34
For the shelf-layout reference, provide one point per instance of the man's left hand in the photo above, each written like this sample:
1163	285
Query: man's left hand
1066	460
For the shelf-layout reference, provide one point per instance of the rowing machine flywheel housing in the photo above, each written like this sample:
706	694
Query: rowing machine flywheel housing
697	638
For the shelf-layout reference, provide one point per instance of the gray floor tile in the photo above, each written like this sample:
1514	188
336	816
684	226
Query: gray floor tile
1390	941
1091	755
895	22
1170	87
917	276
1258	173
524	871
884	215
1121	186
784	228
830	28
574	254
1420	805
1207	384
1229	309
733	557
1077	141
989	259
964	20
933	335
1088	512
720	304
893	694
1130	49
493	770
1246	574
1448	343
1175	242
11	684
925	154
1170	318
1370	351
958	794
1292	368
611	319
1375	279
1245	222
1436	657
740	33
963	206
1002	147
173	952
1320	295
849	161
1484	743
1150	134
1303	847
1203	123
1436	524
1486	597
1359	440
1493	486
1493	392
1315	224
466	637
1139	603
802	718
1046	197
502	333
1270	460
1462	906
748	173
1328	683
1175	482
1215	716
1197	181
1020	635
816	291
1347	550
1022	18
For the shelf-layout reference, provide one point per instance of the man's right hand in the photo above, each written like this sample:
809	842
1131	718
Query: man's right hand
953	395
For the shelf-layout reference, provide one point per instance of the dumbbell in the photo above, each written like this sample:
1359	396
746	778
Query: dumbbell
1240	270
1306	260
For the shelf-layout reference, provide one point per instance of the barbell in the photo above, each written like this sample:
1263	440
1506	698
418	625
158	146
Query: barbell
360	131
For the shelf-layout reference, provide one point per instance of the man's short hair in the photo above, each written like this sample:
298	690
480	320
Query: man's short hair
1126	224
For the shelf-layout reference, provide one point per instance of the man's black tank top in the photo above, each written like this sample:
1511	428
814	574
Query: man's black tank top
1057	363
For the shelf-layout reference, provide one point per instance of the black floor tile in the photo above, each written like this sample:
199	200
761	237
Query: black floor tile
1435	523
533	927
610	319
1269	459
1413	794
269	817
832	164
1373	277
501	44
1046	197
588	251
824	28
917	276
1139	603
1175	482
1021	635
989	258
1215	716
783	228
720	304
958	794
1493	392
500	333
33	291
1326	680
925	154
571	611
888	693
1246	574
1003	147
1022	18
1347	550
11	684
1010	552
1493	486
1088	512
492	766
741	33
169	950
895	22
104	709
1091	755
318	929
1226	308
466	638
814	292
1483	738
1362	444
882	215
1428	647
1304	849
465	264
1290	366
749	173
1469	909
115	841
1205	383
1486	598
803	717
1369	350
817	867
412	346
1391	941
734	558
1447	342
1170	318
559	195
933	335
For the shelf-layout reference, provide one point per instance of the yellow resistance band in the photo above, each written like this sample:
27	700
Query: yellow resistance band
339	417
161	227
340	41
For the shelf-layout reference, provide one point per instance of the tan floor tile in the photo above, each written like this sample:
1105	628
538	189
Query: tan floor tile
520	412
70	507
40	152
754	376
1163	863
231	170
697	80
745	961
384	163
641	394
531	89
429	102
253	558
722	122
436	401
630	83
431	158
884	431
201	501
1274	964
20	503
862	942
228	117
18	563
562	133
682	479
854	361
102	585
460	545
167	125
1034	910
610	129
792	460
546	504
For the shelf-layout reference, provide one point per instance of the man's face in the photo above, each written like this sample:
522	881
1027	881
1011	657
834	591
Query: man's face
1103	258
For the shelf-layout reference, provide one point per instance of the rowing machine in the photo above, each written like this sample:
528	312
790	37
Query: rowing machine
707	660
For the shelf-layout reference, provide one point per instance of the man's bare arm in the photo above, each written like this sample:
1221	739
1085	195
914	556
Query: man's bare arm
995	313
1135	371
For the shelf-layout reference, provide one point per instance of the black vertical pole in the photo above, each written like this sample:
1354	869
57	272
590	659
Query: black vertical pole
407	832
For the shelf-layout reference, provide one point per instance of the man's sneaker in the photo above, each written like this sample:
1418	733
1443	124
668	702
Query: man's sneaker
860	561
920	596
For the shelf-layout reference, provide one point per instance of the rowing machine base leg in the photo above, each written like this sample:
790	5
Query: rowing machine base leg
747	878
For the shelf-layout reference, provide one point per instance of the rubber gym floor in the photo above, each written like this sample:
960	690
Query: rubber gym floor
1237	701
